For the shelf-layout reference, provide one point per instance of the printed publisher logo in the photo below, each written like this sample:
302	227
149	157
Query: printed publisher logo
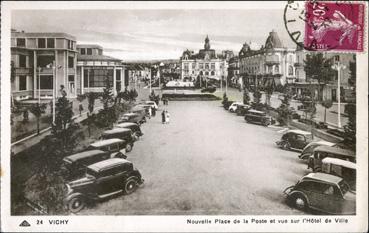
24	224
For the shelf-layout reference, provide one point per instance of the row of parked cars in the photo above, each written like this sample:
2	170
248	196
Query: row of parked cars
102	170
331	185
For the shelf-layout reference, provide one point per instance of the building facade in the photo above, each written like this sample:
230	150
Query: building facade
204	64
42	62
272	64
234	72
94	68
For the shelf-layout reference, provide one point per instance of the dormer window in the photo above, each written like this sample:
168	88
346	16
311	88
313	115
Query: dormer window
89	51
83	51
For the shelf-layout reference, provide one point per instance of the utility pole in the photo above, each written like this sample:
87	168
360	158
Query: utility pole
338	66
39	81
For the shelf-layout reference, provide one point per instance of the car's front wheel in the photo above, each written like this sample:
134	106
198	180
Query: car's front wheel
129	147
76	203
131	185
300	202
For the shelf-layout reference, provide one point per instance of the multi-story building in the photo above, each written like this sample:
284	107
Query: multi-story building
272	64
41	63
93	68
205	64
305	84
234	72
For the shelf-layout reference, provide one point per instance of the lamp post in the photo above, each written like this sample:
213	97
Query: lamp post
338	66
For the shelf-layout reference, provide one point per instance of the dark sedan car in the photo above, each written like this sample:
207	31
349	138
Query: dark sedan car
294	140
257	117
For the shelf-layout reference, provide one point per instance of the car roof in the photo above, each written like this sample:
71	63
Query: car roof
106	142
84	154
107	163
296	131
237	103
323	177
323	143
335	150
125	124
340	162
116	130
255	111
150	102
131	114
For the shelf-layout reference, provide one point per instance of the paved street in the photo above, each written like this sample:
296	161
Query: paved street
207	161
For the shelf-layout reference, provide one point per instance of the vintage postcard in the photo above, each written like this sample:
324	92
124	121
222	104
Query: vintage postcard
184	116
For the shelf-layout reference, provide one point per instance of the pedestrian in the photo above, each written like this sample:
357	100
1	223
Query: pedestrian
167	117
163	99
153	112
163	116
167	101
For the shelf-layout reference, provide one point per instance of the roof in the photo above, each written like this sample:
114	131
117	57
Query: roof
340	162
323	143
106	142
273	41
125	124
116	130
296	131
324	177
89	46
131	114
107	163
83	155
96	58
335	150
255	111
43	34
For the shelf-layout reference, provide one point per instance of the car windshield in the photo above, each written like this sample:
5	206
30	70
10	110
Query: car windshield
308	136
344	187
90	172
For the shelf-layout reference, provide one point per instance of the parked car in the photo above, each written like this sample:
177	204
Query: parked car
336	132
121	133
147	107
321	152
226	104
323	192
294	140
136	130
133	117
103	179
257	117
242	109
75	165
341	168
309	148
116	147
210	89
152	104
233	106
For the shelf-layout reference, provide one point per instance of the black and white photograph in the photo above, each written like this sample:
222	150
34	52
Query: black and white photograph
184	109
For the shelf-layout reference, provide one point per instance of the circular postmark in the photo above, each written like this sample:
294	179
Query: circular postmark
323	26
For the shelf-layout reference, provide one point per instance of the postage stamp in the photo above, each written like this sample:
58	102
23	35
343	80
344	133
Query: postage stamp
334	26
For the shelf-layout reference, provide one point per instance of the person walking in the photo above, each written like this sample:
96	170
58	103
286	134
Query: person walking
163	116
153	111
167	117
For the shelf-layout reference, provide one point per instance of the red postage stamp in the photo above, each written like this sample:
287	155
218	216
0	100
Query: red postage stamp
337	26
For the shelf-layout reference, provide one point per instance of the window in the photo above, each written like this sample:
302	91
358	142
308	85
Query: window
118	81
70	62
83	51
193	66
206	73
290	70
70	78
21	42
206	65
50	42
212	73
22	61
70	44
89	51
96	77
46	82
201	65
100	52
22	82
276	69
186	66
300	138
43	61
41	43
114	147
212	66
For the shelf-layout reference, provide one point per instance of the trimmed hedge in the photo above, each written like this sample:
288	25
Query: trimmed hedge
190	97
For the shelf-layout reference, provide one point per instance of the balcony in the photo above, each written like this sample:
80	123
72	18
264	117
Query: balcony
272	60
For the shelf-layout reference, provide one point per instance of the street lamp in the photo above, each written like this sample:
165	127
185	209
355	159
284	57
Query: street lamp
39	80
338	66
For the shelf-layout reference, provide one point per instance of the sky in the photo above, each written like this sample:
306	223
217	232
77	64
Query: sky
145	34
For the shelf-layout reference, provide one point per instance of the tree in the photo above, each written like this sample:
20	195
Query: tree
257	100
269	89
91	97
37	110
107	95
327	104
284	110
319	68
225	99
246	96
350	109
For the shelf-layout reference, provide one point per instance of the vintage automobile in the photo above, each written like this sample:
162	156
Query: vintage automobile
324	192
309	148
120	133
116	147
75	165
210	89
341	168
258	117
294	140
134	117
233	106
321	152
152	104
136	130
242	109
227	103
103	179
